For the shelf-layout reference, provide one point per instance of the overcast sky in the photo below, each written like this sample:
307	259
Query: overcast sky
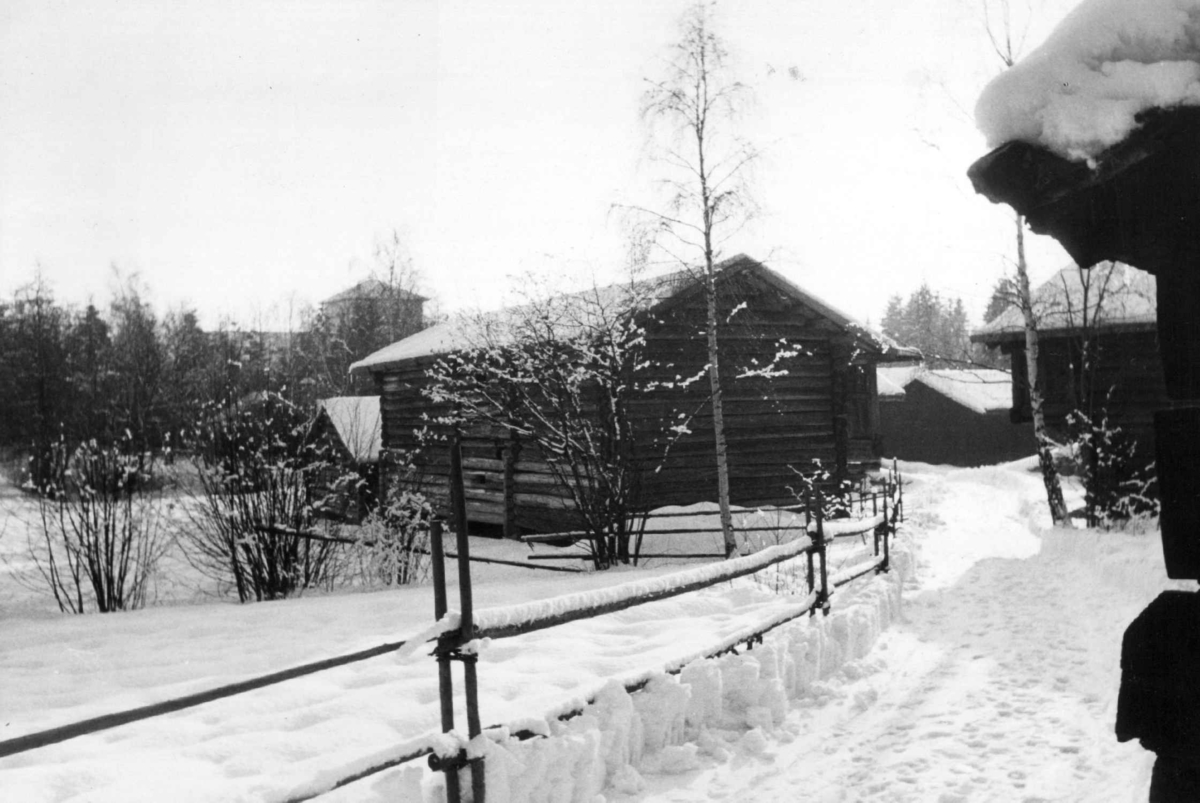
243	156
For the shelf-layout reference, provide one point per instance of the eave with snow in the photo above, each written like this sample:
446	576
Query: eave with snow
823	407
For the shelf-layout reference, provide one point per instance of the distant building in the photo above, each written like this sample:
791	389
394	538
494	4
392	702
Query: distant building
374	299
350	426
956	417
1120	316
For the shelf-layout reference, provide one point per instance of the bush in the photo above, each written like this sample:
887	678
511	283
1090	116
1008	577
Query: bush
393	544
100	534
257	469
1118	485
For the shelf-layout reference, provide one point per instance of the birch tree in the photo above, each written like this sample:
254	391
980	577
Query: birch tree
1000	30
691	114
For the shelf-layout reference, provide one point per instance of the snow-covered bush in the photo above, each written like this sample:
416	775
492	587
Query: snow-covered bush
99	533
393	541
818	483
1118	484
562	375
257	469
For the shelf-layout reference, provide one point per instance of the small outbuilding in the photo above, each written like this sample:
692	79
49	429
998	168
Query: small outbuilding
350	426
817	403
956	417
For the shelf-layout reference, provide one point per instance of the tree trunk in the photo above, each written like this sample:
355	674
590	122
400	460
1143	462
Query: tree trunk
1054	494
714	378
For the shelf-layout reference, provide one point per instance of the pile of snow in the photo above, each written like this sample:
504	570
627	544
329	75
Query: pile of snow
1107	61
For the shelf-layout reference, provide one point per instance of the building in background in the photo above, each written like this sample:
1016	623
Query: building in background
956	417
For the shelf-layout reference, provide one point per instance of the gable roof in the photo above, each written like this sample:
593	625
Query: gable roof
1119	298
981	390
572	313
357	421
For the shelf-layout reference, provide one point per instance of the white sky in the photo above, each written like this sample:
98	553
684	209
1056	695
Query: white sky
241	156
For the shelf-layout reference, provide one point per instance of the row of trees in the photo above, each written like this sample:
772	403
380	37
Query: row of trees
126	370
96	401
939	326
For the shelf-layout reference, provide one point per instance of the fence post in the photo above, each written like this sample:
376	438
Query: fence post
899	489
445	679
812	586
470	680
889	527
823	595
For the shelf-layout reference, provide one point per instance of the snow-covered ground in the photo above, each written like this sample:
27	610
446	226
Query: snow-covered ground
995	679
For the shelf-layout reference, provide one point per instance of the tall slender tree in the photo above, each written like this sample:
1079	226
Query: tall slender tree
692	114
1001	33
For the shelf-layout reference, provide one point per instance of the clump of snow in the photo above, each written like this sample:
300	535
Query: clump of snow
1107	61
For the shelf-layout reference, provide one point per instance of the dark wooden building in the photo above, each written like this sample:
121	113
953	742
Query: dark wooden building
820	403
1112	306
349	426
955	417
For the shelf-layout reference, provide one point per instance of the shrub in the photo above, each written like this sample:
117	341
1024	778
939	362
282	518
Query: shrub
393	545
1117	484
257	469
100	535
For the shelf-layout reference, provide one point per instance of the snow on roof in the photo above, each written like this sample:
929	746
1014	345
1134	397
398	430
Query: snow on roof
981	390
1118	297
358	423
1108	60
569	313
574	312
892	379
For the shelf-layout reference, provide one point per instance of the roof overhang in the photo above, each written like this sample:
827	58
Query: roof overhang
1018	335
1138	202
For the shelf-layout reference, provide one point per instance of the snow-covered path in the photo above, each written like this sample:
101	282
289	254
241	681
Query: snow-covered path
999	683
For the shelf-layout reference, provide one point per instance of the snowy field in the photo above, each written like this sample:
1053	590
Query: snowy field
994	678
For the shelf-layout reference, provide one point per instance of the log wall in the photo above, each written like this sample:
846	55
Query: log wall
771	423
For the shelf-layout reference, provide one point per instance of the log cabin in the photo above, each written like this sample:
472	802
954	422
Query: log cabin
950	416
818	402
1113	306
